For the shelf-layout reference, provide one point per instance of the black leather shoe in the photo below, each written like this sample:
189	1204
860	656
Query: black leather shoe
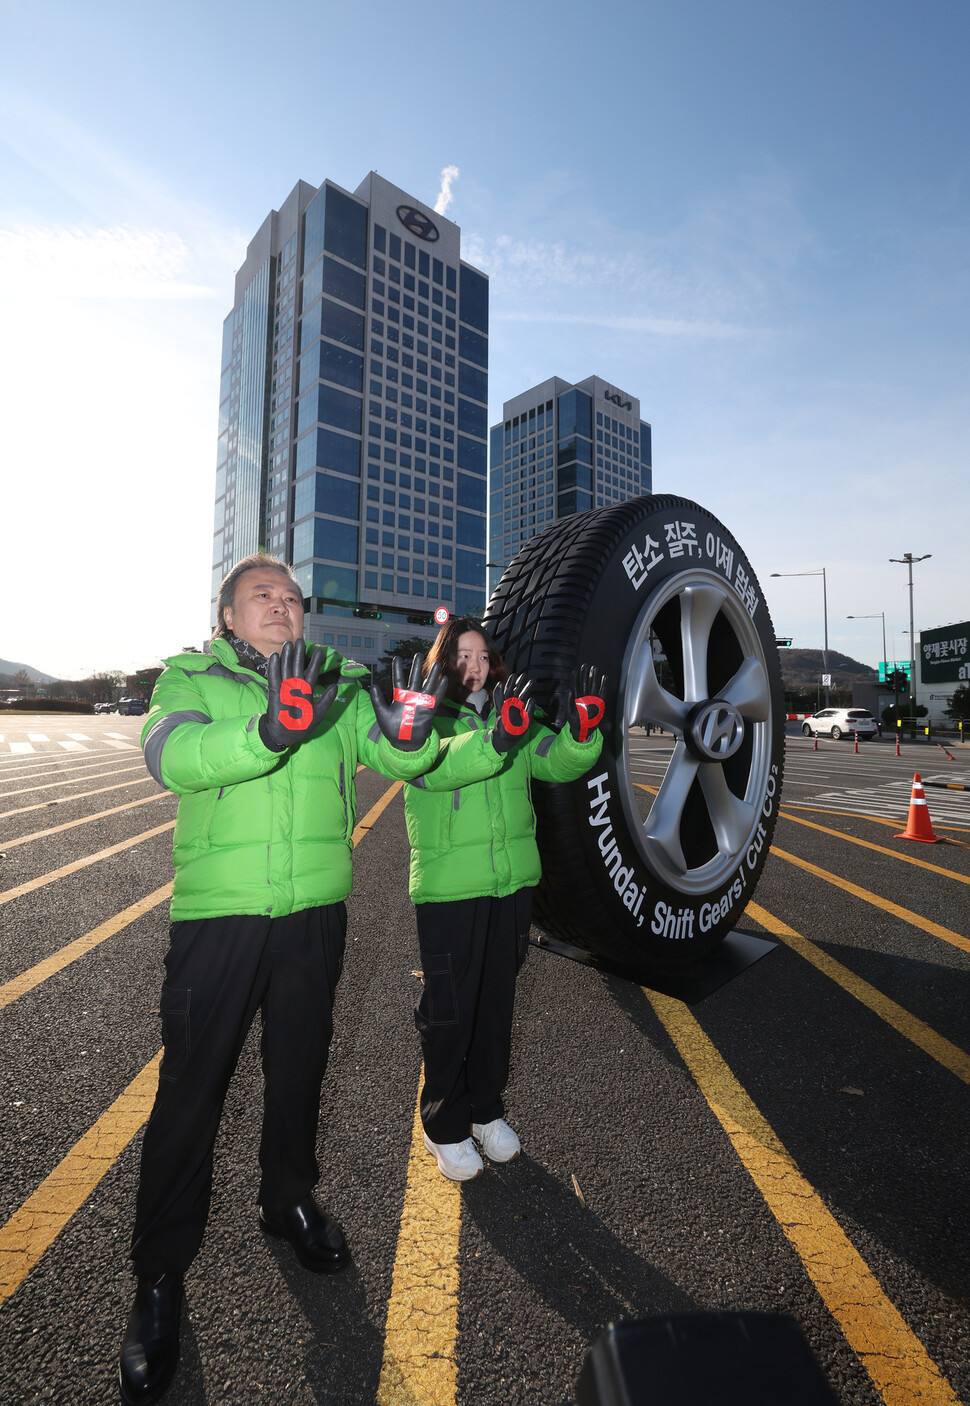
316	1237
150	1349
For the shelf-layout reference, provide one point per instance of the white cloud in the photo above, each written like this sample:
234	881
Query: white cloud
69	262
712	272
449	175
651	326
109	388
108	394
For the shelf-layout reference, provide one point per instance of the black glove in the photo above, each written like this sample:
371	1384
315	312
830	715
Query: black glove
513	712
581	702
291	714
406	720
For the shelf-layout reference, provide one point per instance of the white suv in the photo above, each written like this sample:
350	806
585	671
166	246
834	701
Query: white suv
841	722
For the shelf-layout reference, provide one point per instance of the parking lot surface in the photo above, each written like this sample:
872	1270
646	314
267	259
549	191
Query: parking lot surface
796	1142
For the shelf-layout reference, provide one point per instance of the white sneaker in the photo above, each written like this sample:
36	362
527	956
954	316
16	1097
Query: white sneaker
499	1142
458	1161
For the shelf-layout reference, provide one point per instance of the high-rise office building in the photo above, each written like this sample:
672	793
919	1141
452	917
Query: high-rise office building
562	448
353	413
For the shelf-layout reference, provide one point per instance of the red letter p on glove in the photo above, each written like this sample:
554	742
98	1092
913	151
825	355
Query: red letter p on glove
591	710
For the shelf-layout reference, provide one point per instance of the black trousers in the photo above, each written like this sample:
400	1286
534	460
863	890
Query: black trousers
219	972
471	952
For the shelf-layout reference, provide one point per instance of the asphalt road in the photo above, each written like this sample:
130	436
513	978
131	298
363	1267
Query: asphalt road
660	1142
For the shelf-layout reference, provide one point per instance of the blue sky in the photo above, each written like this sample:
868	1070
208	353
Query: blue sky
753	215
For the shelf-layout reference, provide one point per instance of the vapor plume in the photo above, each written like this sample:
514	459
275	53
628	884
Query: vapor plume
449	174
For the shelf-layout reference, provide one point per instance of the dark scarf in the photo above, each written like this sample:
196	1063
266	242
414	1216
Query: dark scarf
248	655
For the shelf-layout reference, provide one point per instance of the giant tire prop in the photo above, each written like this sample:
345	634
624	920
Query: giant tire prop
659	595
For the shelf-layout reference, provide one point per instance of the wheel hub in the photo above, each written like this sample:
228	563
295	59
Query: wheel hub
714	730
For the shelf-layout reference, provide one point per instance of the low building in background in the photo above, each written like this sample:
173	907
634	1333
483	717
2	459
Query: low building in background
943	665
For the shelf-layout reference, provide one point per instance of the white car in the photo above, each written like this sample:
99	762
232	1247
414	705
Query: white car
841	722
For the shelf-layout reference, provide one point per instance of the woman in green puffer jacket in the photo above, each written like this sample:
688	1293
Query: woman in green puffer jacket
474	864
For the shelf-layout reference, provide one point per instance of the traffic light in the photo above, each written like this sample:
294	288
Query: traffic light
898	681
366	612
421	619
783	644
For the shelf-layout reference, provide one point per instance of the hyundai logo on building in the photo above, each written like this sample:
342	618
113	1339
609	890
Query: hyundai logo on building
417	223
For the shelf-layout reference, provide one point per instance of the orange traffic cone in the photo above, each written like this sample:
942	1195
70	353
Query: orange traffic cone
918	825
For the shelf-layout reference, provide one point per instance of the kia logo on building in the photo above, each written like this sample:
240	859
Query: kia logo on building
417	223
616	398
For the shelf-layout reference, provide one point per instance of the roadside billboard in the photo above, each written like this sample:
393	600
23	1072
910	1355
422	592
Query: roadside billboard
944	654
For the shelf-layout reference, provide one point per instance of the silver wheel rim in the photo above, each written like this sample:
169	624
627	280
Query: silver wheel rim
702	597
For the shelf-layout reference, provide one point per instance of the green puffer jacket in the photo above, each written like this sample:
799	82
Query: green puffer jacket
478	840
260	831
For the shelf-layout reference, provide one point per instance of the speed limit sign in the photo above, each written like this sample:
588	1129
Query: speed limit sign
441	615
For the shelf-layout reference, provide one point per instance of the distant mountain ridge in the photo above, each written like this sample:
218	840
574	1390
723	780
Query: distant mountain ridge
804	666
798	666
9	671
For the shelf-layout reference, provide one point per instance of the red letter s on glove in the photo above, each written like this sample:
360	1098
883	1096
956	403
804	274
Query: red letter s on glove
290	697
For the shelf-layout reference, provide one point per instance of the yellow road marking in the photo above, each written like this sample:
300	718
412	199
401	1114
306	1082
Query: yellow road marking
36	1224
64	800
33	976
892	1354
6	895
85	820
370	819
849	814
422	1315
880	849
902	1020
49	786
927	924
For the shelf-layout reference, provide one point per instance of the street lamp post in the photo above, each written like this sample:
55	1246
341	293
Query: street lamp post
879	615
825	618
907	559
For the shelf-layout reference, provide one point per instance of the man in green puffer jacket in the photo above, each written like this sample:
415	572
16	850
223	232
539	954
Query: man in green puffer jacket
261	748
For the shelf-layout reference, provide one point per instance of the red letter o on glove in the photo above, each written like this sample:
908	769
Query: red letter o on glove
290	691
591	710
514	729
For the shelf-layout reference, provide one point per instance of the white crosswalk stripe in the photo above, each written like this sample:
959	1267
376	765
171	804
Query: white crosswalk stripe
22	747
892	802
122	746
38	737
78	736
74	747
